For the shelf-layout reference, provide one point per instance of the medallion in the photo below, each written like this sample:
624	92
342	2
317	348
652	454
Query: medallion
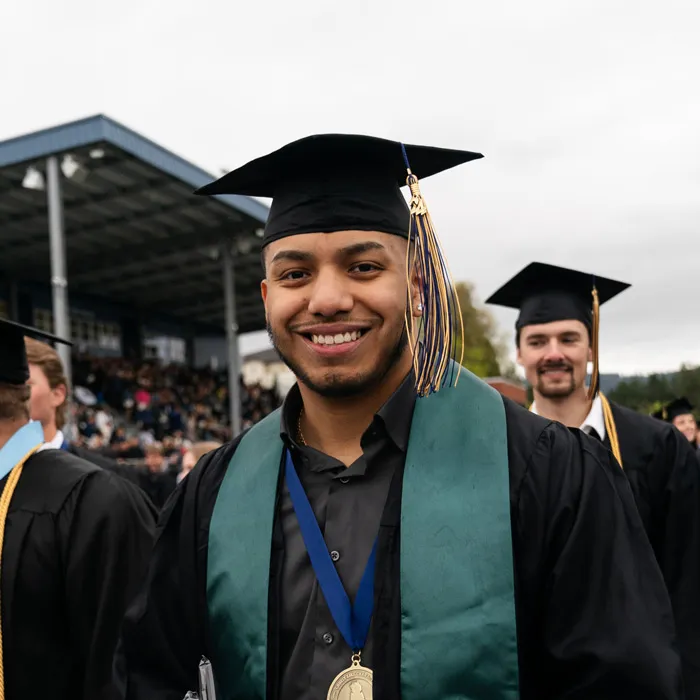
354	683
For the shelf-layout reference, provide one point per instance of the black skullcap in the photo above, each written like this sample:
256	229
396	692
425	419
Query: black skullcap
336	182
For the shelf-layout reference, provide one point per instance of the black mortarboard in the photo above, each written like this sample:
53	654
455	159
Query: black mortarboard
677	407
13	354
343	182
546	293
336	182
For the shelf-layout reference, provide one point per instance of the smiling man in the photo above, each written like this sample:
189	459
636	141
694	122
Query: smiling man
366	542
556	338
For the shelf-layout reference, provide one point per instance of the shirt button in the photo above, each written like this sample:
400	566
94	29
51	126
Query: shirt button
328	638
335	555
344	480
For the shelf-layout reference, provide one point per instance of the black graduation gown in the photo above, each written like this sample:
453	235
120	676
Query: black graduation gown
77	543
593	616
664	472
126	471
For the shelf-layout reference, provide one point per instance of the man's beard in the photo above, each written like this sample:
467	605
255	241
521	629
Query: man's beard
334	385
558	392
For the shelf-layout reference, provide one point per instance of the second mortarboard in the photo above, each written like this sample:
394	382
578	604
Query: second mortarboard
545	293
13	354
343	182
677	407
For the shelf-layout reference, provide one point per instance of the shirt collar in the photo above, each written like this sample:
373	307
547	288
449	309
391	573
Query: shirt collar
54	444
595	420
395	415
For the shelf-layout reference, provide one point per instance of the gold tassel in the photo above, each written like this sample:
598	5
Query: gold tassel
595	333
434	339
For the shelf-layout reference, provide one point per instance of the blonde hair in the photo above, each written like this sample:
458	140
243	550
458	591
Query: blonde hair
48	361
199	449
14	401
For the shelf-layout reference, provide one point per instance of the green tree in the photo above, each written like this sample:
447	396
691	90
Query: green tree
647	394
483	351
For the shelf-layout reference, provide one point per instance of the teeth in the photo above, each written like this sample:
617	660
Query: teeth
336	339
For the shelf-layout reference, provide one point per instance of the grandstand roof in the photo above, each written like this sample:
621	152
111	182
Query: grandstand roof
134	231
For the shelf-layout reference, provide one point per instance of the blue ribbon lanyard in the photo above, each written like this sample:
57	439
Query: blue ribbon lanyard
352	620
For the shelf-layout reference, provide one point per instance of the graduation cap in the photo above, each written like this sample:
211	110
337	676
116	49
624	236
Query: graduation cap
677	407
341	182
14	368
546	293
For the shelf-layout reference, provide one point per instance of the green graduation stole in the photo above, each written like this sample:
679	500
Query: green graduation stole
458	634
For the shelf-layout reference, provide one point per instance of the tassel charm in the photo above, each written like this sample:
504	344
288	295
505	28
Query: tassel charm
434	339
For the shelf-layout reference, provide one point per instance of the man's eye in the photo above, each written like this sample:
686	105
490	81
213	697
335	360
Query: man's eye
293	275
364	267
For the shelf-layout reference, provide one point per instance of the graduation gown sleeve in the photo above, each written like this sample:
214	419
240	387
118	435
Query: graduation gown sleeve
594	618
678	545
109	531
164	632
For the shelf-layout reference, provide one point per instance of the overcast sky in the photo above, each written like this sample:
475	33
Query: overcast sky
588	114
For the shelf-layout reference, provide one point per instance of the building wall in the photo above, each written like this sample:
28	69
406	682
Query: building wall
512	391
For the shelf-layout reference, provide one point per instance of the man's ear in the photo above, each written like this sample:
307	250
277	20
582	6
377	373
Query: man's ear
415	292
59	395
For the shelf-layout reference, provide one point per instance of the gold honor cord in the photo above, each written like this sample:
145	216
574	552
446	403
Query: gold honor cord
7	493
611	428
441	309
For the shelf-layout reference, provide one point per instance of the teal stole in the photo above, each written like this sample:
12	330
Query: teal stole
458	635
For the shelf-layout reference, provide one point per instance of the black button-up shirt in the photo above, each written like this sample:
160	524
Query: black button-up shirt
348	503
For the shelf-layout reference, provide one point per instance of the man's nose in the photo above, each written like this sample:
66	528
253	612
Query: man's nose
330	294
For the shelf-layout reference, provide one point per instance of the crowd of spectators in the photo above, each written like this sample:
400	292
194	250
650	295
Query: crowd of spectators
153	414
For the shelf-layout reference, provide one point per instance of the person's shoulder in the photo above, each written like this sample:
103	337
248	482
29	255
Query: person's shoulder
61	467
49	479
548	453
650	439
646	424
210	470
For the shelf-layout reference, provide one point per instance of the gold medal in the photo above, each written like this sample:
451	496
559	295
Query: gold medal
354	683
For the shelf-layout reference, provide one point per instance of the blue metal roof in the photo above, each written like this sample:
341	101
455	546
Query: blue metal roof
99	128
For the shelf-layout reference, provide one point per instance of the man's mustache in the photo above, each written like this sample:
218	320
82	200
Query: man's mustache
554	367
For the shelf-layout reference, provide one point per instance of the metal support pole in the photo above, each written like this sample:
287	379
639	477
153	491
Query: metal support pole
59	281
234	362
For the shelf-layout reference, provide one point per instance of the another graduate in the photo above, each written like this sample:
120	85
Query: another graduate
74	543
556	336
679	413
487	552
